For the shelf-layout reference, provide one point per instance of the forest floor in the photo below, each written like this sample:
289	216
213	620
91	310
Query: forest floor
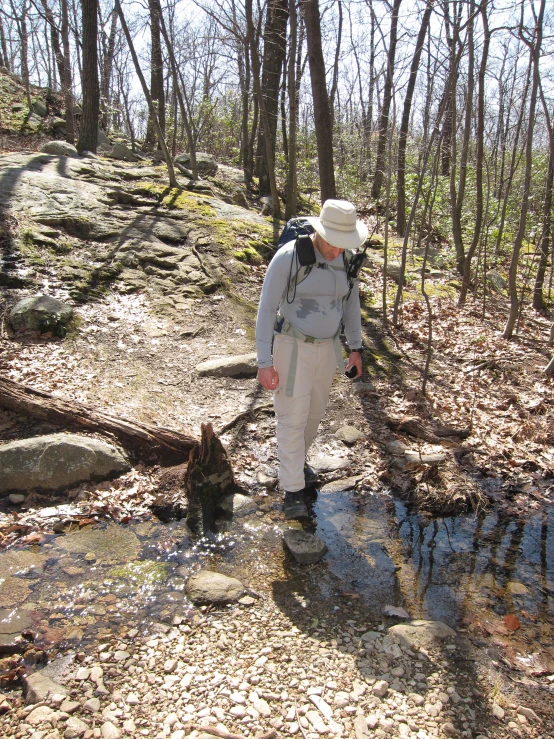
133	351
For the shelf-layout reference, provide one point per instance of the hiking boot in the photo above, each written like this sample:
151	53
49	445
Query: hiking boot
311	477
294	506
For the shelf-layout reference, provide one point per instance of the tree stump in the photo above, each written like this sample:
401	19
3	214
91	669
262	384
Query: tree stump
209	476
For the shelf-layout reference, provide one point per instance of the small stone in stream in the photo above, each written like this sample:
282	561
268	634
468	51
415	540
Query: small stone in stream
497	711
421	633
69	706
90	557
237	504
83	673
396	612
349	434
266	480
121	655
329	464
380	689
38	687
247	600
74	728
337	486
110	731
304	547
16	498
516	588
132	699
92	705
96	673
213	587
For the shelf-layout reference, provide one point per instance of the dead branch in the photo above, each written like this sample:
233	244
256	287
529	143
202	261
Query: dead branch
414	427
143	441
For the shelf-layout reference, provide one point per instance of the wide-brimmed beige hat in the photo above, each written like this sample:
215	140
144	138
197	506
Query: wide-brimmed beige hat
339	226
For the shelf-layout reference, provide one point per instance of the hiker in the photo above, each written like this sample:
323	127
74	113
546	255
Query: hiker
307	297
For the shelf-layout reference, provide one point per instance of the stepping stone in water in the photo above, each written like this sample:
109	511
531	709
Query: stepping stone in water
329	464
337	486
304	547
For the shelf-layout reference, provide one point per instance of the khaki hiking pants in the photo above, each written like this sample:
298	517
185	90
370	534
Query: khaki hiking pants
298	417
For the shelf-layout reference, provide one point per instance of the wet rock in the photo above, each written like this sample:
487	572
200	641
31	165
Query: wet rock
237	504
421	633
329	464
268	481
60	148
345	483
14	621
213	587
40	313
16	498
304	547
56	461
122	153
39	687
349	435
244	365
516	588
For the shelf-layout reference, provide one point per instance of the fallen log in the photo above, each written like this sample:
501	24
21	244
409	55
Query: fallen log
143	441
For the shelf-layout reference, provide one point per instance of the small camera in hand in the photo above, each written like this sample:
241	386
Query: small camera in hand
352	372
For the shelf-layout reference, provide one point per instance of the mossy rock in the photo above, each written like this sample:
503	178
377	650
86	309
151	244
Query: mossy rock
143	574
249	255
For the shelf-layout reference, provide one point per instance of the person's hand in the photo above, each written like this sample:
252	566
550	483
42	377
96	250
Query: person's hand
268	377
355	360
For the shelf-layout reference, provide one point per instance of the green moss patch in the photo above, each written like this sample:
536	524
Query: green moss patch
142	574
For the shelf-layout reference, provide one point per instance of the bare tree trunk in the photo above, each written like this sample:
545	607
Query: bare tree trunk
384	121
534	52
322	110
403	136
274	55
292	185
156	76
67	82
107	72
480	136
151	108
4	47
54	37
335	81
179	92
88	132
538	297
263	113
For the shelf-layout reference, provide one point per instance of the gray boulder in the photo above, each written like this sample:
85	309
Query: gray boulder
40	313
103	140
304	547
495	280
34	122
243	365
60	148
39	687
421	633
57	461
39	107
329	464
237	504
122	153
349	434
205	163
213	587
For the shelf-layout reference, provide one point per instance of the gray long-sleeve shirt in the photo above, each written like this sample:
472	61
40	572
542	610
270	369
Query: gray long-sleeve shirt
318	307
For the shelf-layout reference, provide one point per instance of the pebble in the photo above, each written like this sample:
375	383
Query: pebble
497	711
